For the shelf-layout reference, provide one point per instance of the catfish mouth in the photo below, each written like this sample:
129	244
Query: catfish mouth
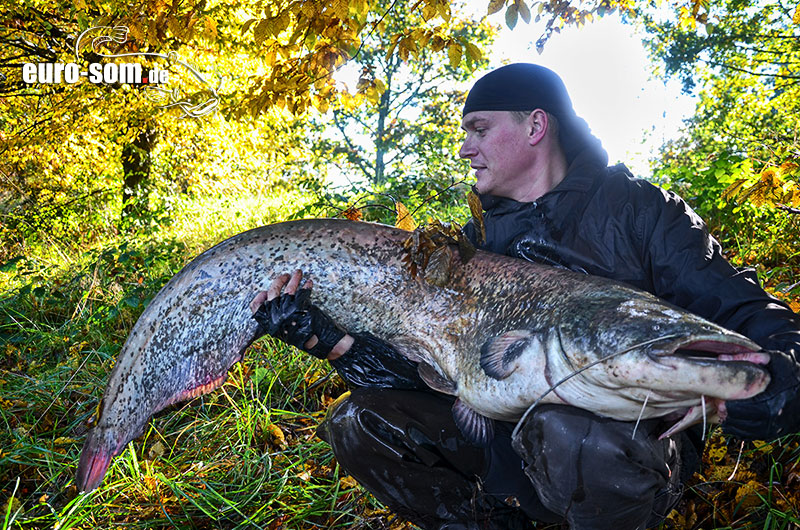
716	348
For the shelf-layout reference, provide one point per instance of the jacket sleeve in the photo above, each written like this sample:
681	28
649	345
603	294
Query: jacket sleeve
688	270
373	363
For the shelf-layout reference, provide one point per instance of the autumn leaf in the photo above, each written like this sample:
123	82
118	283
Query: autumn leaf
210	28
733	190
347	482
404	219
275	435
716	450
796	17
359	6
428	11
261	31
454	54
156	450
476	210
495	6
770	177
787	168
444	10
473	52
354	214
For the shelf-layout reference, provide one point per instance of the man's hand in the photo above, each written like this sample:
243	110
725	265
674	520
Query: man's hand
292	318
774	412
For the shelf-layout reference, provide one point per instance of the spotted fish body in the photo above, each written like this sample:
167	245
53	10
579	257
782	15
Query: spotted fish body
498	333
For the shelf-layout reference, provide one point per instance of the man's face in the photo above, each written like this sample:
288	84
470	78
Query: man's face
498	149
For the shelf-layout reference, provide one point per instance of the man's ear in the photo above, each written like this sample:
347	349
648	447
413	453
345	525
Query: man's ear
537	124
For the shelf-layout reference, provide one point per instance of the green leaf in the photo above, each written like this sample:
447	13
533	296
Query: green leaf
11	264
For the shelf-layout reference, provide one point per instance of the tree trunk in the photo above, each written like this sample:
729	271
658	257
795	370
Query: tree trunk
380	133
135	169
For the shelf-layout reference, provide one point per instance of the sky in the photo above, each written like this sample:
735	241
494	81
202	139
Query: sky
607	73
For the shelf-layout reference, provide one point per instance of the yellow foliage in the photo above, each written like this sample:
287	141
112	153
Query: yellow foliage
733	190
770	177
210	27
770	189
454	54
354	214
796	17
686	19
764	447
360	7
429	11
404	220
716	450
347	482
276	436
473	52
476	210
748	494
443	7
495	6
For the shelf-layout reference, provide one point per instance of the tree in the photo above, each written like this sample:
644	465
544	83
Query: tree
742	143
76	156
399	131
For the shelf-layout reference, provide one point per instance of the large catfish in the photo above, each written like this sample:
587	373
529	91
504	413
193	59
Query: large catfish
498	333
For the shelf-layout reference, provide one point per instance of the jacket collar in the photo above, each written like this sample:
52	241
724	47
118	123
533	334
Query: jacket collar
580	177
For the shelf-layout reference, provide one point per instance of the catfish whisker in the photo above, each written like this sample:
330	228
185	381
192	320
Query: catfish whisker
703	404
641	412
579	370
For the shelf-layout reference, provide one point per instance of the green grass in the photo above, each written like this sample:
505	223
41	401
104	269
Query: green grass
246	455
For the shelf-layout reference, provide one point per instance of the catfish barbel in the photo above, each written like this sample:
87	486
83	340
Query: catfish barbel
498	333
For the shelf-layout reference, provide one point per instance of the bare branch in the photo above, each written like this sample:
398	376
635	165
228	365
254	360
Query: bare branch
352	147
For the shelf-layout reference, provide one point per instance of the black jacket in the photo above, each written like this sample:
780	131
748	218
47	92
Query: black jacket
605	222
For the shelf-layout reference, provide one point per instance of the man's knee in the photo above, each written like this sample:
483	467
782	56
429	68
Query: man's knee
588	468
373	425
404	447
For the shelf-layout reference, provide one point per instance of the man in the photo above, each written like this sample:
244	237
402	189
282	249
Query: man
548	197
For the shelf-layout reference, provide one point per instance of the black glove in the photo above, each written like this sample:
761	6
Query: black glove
371	362
772	413
293	319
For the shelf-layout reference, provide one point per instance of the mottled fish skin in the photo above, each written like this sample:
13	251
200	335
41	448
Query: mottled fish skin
549	321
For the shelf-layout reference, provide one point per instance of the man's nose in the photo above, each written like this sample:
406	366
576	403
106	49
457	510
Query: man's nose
467	149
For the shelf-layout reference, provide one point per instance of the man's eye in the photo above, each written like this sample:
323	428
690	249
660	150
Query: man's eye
481	131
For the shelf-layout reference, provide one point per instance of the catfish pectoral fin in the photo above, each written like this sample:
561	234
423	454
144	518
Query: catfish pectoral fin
499	354
477	429
435	380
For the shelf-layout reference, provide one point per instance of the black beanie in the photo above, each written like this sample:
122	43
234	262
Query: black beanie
526	87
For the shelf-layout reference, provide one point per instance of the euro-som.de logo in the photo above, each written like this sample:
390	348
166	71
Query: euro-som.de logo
124	71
